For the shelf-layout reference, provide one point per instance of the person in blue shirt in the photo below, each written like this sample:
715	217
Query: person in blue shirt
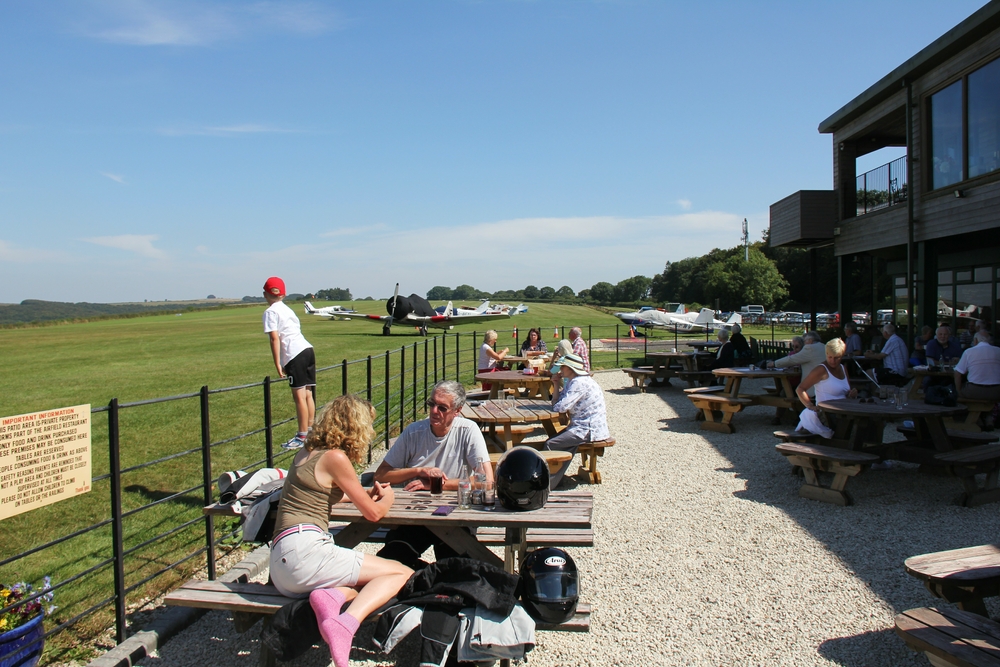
943	349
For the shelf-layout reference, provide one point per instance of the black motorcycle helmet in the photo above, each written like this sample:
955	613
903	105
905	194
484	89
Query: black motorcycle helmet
522	479
550	585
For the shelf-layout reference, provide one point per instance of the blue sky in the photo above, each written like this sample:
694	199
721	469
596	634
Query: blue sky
155	150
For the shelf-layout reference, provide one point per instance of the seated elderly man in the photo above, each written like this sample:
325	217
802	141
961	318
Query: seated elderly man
980	365
583	400
725	357
740	345
943	349
813	353
893	356
852	339
434	447
919	354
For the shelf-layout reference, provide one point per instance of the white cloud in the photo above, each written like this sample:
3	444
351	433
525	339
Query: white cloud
114	177
354	231
201	249
138	243
684	204
194	23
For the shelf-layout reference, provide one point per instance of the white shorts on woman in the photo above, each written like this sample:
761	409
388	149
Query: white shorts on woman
304	561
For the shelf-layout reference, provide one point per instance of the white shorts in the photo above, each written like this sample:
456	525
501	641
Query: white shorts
303	562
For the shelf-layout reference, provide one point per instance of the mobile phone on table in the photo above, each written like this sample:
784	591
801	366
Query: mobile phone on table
444	510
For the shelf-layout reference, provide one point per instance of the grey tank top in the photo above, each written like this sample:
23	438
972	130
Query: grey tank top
303	500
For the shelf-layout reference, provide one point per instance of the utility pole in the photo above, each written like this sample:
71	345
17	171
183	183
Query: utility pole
746	242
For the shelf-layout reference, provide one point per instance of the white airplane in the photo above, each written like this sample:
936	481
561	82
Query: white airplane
415	311
685	322
331	312
635	318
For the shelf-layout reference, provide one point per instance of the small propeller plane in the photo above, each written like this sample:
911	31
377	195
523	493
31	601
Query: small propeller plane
683	322
416	311
330	312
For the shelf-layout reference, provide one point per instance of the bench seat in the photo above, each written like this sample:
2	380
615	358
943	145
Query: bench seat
639	377
590	451
843	463
711	402
796	436
968	462
976	409
957	437
951	636
692	377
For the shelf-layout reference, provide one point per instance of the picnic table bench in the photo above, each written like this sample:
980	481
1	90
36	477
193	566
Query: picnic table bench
968	462
976	409
843	463
712	402
960	576
640	375
951	636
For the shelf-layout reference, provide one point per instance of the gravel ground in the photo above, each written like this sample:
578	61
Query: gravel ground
705	555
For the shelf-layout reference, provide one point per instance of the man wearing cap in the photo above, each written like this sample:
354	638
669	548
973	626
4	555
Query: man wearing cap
293	357
583	400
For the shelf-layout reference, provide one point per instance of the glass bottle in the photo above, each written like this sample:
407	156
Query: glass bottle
464	489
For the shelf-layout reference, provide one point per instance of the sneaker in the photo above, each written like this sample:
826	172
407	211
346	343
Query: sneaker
294	443
884	465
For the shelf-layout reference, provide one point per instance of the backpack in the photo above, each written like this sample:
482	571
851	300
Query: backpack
941	395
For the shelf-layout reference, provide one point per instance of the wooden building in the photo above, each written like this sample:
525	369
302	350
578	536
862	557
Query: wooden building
933	215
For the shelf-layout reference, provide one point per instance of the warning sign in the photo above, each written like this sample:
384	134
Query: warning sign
44	458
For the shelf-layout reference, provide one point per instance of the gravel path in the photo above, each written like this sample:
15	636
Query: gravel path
705	555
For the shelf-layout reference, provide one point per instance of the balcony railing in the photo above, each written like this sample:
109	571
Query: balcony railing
882	187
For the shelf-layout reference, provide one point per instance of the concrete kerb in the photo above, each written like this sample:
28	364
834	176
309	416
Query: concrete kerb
176	619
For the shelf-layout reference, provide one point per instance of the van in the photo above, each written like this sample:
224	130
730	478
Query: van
752	310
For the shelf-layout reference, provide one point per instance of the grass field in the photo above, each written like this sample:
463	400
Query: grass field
159	356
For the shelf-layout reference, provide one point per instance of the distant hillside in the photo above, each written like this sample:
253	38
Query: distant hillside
33	310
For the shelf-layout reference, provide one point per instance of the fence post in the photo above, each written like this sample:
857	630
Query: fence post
444	357
616	346
562	331
206	474
343	377
414	392
268	424
517	339
114	457
645	340
475	357
402	387
435	359
425	369
590	345
388	406
458	358
368	378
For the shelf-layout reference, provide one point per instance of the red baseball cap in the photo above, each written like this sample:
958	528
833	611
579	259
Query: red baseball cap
275	286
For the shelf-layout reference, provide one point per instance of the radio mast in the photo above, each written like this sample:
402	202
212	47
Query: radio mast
746	242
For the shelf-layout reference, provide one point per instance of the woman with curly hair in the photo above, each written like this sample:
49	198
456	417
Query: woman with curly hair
304	558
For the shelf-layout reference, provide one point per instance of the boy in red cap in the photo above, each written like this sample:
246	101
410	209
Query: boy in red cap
293	356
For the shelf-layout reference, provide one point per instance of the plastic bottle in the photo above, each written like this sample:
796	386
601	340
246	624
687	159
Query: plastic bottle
464	489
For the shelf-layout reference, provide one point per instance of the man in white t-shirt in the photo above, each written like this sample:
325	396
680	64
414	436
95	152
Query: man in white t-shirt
434	447
293	357
980	365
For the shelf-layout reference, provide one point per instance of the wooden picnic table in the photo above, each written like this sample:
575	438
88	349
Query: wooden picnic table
675	364
564	509
498	419
783	397
860	426
917	388
500	380
961	576
702	345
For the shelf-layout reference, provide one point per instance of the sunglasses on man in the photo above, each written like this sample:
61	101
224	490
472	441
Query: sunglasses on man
440	407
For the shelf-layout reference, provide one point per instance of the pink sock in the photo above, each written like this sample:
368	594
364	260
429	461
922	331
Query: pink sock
338	633
326	602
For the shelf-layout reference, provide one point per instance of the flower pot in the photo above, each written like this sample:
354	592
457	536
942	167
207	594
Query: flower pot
14	644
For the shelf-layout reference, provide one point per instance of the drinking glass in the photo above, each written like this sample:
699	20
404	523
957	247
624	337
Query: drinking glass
900	396
489	496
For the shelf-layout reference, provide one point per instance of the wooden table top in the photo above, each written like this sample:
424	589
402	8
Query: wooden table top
703	343
674	355
527	410
511	376
936	373
886	409
971	564
745	372
564	509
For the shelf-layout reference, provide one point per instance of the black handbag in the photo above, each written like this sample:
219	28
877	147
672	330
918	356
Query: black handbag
941	395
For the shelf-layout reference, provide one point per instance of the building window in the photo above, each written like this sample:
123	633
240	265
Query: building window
984	119
946	136
964	127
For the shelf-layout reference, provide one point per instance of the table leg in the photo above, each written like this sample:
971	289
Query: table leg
937	432
354	534
508	437
516	549
465	544
495	390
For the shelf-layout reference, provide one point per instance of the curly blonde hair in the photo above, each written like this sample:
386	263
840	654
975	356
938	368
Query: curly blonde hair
345	423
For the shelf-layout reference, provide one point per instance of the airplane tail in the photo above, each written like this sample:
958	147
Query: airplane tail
735	318
483	307
309	308
680	309
706	316
449	310
517	309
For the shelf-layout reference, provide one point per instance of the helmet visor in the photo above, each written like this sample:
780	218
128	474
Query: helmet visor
556	585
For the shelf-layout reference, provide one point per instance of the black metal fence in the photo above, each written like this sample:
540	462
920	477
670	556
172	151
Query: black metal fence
141	531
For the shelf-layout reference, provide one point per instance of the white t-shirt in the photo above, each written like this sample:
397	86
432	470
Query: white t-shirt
418	447
980	364
486	362
279	317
